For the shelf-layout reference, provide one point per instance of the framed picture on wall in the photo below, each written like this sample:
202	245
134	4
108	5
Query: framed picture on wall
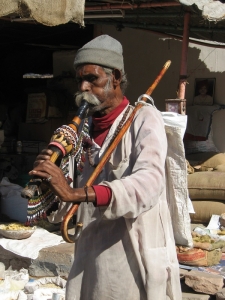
204	91
36	107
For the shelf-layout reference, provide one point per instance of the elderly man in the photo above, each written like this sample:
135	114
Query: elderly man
126	249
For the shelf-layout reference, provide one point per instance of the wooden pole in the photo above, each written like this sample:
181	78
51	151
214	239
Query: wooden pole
184	54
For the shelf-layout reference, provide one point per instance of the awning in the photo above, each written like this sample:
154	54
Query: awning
207	20
211	10
50	12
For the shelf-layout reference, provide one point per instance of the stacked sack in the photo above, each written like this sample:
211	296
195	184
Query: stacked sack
206	186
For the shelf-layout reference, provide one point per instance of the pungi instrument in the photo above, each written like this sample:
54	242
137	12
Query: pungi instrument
61	144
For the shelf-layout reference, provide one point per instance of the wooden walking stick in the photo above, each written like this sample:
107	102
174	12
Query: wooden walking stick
64	225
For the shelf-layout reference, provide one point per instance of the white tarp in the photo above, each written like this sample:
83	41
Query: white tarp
50	13
31	246
211	9
176	170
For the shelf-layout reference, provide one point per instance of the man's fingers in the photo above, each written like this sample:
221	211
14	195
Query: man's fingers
43	157
38	173
37	162
45	168
47	152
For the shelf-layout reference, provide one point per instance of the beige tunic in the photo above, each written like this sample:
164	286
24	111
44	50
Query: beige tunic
126	250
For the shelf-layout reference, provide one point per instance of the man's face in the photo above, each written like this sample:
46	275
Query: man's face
94	80
203	90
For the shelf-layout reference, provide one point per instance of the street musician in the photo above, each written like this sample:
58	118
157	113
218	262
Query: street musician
126	249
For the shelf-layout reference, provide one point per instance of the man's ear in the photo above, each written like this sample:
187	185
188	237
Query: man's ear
117	77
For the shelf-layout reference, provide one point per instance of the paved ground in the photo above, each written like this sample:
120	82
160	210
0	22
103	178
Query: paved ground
57	261
52	261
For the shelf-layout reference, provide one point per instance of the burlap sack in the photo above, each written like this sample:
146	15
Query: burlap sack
204	209
220	168
200	157
198	257
215	160
50	13
207	185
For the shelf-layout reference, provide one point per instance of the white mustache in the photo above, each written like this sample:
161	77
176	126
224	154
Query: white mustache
88	97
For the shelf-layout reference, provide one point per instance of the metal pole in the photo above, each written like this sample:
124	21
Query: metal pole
130	6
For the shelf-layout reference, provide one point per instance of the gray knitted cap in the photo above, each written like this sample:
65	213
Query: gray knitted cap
103	50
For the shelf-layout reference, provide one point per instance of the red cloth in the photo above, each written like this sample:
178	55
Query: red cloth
103	124
100	131
103	195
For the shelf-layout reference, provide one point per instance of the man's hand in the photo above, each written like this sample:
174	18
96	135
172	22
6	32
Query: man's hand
53	176
44	155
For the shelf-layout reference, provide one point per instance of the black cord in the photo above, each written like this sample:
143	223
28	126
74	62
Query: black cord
86	193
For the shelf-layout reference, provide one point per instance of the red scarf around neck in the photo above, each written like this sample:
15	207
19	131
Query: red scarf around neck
102	124
100	131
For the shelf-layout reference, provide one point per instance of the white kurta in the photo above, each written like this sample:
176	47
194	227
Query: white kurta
127	250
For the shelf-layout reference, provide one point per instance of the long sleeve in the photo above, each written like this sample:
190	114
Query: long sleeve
140	190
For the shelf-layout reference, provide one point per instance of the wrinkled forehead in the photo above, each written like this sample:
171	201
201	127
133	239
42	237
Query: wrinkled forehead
89	69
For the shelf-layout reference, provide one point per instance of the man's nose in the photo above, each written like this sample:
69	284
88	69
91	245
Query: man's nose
85	86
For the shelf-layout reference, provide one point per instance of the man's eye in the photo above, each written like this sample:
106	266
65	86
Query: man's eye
91	78
88	79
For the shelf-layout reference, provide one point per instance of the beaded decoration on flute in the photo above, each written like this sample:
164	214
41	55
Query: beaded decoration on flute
38	206
82	142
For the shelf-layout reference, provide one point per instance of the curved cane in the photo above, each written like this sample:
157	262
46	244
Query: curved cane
64	225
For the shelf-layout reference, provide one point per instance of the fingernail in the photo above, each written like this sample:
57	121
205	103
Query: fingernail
32	172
